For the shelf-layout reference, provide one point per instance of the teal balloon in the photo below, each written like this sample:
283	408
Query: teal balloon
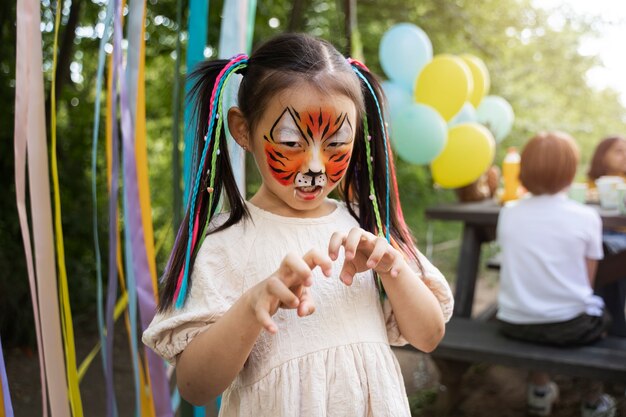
404	50
497	115
467	114
418	133
398	98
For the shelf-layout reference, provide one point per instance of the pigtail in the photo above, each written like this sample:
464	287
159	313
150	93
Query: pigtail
211	175
371	180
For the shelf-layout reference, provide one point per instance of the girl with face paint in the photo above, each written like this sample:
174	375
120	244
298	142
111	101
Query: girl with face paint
287	304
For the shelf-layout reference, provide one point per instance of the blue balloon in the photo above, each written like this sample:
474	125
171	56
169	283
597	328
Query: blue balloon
418	133
467	114
398	98
497	115
404	50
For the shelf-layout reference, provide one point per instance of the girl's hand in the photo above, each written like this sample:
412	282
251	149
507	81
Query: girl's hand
364	251
287	288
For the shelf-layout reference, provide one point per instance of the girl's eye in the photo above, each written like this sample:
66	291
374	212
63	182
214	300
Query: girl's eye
290	144
335	144
340	138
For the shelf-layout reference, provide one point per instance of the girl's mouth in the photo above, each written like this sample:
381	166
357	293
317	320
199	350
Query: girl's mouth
308	193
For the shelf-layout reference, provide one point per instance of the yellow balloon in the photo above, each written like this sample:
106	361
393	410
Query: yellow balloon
480	76
445	84
468	154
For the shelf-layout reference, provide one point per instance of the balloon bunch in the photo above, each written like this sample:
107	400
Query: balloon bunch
439	109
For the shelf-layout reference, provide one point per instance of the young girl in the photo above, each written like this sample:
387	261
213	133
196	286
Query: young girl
550	250
245	310
609	158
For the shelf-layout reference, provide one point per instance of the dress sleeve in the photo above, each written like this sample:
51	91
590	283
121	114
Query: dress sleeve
216	285
436	282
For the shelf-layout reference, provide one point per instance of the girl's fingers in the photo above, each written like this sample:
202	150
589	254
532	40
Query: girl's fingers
336	240
293	270
264	318
347	273
352	242
358	240
278	289
381	248
306	307
315	258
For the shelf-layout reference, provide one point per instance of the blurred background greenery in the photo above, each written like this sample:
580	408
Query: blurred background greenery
534	61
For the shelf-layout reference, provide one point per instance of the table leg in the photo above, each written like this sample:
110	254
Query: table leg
467	270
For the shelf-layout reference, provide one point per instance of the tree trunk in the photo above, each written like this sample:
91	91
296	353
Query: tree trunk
295	18
66	46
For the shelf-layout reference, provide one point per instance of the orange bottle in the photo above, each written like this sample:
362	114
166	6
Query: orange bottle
510	174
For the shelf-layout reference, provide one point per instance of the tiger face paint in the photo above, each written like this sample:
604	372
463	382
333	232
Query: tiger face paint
309	149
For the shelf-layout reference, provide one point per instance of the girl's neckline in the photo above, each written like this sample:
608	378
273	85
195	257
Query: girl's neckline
327	218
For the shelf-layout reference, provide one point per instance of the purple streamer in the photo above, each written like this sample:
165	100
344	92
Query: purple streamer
8	408
145	294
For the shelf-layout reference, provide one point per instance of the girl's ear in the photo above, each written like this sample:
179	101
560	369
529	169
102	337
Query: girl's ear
239	127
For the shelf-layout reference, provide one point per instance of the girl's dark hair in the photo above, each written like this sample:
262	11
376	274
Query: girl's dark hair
598	168
287	61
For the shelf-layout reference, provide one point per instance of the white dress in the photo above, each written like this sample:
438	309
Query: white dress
335	362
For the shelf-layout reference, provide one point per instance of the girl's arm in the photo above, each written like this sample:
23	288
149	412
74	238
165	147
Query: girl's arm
417	310
212	360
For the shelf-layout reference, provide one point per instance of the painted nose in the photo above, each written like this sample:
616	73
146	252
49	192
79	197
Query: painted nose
315	164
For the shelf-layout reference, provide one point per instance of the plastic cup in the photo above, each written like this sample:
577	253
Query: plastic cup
578	192
608	191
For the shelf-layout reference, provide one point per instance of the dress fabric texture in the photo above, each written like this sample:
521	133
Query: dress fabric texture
335	362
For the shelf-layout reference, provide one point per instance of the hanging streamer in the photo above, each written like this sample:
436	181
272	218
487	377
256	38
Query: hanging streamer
64	295
136	243
176	191
94	195
134	30
147	288
30	141
113	155
6	409
235	37
197	30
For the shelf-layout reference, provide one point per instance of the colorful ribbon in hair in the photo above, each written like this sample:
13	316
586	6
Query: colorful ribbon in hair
214	113
356	66
355	62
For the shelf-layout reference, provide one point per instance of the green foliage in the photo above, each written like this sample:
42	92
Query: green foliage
533	61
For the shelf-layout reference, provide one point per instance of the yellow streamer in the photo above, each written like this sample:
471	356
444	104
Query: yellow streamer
64	298
141	158
142	163
120	306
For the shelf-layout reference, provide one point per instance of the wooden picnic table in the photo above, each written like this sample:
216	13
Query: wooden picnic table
479	226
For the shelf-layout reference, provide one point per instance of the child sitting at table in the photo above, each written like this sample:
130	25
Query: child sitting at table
609	158
550	249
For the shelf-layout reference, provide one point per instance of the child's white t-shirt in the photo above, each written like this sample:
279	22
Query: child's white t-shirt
543	277
336	362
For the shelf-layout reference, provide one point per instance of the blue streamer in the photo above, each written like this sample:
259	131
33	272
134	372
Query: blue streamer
108	20
198	18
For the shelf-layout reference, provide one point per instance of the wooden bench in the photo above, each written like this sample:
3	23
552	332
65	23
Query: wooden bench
470	340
